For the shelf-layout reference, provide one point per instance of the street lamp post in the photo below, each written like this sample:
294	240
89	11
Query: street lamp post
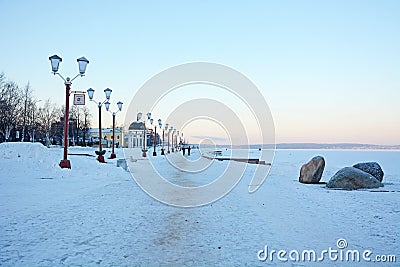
55	63
151	127
107	104
172	139
163	138
182	139
155	137
90	91
162	142
139	116
176	142
169	131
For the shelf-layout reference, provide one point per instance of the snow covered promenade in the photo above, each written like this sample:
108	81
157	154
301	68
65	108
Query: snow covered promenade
95	214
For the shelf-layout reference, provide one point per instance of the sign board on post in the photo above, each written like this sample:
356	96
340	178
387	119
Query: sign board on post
79	99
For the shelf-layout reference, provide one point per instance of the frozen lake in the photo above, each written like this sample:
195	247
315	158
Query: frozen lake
96	213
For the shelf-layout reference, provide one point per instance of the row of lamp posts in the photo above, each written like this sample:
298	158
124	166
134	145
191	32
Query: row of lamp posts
169	131
101	152
82	63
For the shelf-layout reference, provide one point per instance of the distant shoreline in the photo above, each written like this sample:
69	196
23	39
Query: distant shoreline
336	146
333	146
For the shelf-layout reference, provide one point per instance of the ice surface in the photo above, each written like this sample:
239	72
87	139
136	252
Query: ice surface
96	214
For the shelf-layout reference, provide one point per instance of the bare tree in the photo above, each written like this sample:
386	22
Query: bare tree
47	115
10	99
74	116
57	128
34	122
80	118
3	105
85	124
18	111
27	103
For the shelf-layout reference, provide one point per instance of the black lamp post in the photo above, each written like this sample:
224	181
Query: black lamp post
172	138
139	116
163	138
55	63
174	141
162	141
107	104
169	131
151	126
90	91
154	139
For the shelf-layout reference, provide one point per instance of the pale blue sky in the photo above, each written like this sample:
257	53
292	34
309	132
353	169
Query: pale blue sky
330	70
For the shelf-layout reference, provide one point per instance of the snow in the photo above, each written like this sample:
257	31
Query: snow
96	214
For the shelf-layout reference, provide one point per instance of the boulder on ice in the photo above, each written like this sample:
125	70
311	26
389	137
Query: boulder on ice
352	178
372	168
311	172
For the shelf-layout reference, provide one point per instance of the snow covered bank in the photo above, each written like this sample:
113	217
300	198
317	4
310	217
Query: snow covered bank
30	153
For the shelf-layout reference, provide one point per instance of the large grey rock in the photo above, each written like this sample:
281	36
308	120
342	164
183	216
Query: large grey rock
372	168
353	178
311	172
